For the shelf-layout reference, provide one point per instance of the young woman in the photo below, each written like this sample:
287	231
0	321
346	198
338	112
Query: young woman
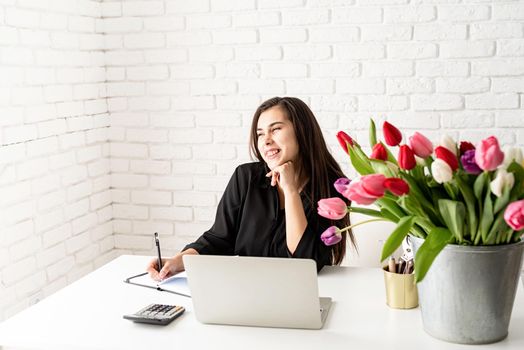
269	207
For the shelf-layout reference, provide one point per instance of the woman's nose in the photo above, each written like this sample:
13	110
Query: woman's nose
267	140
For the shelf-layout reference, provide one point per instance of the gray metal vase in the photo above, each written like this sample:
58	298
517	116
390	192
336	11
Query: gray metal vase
468	293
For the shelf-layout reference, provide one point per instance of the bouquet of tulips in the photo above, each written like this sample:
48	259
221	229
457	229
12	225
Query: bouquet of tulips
449	194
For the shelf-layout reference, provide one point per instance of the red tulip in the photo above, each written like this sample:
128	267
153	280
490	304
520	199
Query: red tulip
488	154
406	158
421	145
465	146
396	186
392	135
345	140
379	152
449	157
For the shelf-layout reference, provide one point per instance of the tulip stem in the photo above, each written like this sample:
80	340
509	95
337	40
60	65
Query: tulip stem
361	223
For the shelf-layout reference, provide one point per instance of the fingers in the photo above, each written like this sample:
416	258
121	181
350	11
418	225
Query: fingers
166	270
152	269
277	171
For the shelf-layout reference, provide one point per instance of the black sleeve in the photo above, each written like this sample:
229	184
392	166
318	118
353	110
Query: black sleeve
220	238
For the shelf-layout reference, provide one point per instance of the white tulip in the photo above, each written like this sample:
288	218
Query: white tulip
447	142
441	171
511	154
502	180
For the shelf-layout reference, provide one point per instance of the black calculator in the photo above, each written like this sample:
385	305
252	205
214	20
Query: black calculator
156	314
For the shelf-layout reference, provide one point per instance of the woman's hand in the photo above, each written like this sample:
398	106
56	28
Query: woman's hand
170	267
285	176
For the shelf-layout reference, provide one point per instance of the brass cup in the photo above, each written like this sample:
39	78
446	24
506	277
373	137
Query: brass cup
401	290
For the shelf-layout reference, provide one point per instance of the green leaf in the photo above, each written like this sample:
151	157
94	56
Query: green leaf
469	198
388	215
414	190
365	211
412	206
372	133
392	206
437	239
502	201
391	157
426	224
518	172
395	238
479	185
498	230
361	166
381	167
487	218
453	213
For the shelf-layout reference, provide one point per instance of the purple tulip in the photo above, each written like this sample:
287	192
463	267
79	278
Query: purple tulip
331	235
469	163
341	185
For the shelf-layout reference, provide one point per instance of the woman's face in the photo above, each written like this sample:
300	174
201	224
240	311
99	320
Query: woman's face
277	141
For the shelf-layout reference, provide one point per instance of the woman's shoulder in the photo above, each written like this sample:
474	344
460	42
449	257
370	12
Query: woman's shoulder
253	172
253	168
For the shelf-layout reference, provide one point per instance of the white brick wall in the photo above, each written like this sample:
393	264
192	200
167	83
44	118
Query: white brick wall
54	155
433	66
122	117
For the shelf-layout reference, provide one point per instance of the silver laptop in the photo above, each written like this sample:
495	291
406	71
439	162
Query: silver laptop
253	291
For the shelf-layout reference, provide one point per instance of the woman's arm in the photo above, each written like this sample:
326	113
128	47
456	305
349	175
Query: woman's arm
296	221
289	187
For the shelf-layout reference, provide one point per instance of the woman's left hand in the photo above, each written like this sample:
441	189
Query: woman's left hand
284	175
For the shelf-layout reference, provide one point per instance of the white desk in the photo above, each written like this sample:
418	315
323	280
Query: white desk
88	315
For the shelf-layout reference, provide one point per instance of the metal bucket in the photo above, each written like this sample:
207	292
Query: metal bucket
468	293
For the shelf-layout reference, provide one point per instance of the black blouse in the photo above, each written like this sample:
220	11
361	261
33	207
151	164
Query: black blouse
249	221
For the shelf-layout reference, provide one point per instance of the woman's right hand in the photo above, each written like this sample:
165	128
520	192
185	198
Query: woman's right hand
170	267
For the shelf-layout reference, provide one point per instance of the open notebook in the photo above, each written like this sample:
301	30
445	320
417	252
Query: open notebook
176	284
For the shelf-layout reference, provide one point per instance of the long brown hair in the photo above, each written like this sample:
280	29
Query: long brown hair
316	160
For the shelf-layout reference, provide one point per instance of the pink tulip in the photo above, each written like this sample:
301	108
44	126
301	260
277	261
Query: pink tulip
488	154
368	189
373	184
396	186
421	145
514	215
332	208
331	236
392	135
379	152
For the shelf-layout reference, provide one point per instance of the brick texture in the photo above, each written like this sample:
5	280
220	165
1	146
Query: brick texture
121	117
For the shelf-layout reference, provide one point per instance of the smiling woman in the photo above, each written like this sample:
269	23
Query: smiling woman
269	206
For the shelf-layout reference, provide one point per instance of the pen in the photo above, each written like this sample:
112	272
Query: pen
157	243
391	265
409	267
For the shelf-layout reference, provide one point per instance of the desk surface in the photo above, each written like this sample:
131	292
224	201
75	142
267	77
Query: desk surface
88	315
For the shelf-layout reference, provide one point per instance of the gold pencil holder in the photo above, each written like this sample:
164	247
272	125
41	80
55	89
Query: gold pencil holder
401	290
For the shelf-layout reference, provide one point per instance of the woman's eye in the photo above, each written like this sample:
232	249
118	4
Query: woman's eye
276	129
